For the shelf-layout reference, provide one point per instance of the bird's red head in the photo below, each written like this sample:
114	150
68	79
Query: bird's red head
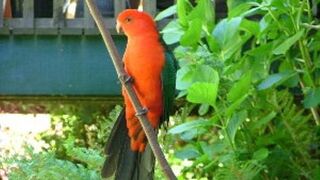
134	23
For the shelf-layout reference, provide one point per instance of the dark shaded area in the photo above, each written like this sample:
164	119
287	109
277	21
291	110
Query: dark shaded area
221	9
161	5
16	8
43	8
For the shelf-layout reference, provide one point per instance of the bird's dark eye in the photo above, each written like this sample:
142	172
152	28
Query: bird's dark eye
128	19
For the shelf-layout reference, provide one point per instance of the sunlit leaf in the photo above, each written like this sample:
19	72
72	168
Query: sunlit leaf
172	33
187	75
192	35
203	93
182	12
226	29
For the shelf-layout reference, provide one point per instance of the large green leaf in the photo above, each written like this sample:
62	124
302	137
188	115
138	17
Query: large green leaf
203	93
187	75
226	30
172	32
312	99
205	73
285	46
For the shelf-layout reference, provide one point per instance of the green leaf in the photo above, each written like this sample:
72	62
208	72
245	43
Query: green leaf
203	109
233	46
187	75
189	125
184	78
285	46
193	33
213	44
240	10
166	13
203	10
205	73
235	122
235	105
260	154
226	29
192	133
264	120
312	98
250	26
275	79
235	3
182	12
294	80
240	88
172	32
203	93
187	152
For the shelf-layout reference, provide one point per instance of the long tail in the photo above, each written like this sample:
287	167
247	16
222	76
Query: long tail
122	163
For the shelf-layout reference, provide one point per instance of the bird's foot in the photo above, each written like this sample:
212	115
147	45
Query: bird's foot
125	78
142	112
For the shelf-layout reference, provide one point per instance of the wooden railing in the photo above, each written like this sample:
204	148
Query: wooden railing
58	24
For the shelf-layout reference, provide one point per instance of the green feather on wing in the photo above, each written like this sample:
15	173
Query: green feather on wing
168	83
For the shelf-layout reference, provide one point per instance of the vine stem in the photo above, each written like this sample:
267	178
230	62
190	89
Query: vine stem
117	62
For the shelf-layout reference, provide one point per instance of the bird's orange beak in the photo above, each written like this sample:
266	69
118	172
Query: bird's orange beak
118	28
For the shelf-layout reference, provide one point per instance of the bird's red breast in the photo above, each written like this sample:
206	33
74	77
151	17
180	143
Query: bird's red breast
143	60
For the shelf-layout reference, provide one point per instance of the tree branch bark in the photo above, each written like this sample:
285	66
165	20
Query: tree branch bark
150	133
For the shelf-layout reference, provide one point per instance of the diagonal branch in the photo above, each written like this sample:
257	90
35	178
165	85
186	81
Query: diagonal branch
152	138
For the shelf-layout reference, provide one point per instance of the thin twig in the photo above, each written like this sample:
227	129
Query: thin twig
150	133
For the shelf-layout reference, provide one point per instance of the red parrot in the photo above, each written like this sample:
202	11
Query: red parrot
152	70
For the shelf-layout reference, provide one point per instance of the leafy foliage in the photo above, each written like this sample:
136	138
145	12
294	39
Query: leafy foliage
252	83
87	125
45	165
75	142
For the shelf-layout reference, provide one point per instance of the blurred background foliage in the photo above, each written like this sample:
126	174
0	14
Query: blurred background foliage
251	82
250	91
74	143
